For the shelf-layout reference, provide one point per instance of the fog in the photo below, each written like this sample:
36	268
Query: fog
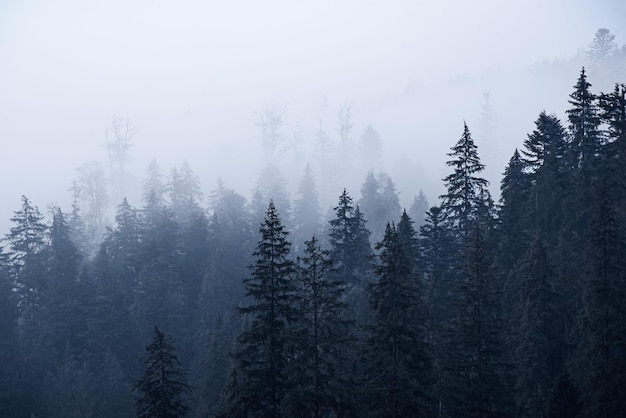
192	78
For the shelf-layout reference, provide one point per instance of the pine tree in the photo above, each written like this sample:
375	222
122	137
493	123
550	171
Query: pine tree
153	185
379	202
371	204
398	363
584	127
9	389
159	296
540	338
323	335
466	192
544	160
419	207
603	56
475	387
262	359
273	186
184	193
306	211
162	387
349	240
613	114
600	361
545	146
370	148
67	305
435	248
26	240
76	223
514	201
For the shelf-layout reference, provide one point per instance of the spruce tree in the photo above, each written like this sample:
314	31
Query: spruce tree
162	388
613	114
419	207
262	358
153	186
475	387
306	211
26	239
349	240
600	358
322	337
466	192
540	338
160	293
436	251
514	200
398	368
545	163
67	303
584	127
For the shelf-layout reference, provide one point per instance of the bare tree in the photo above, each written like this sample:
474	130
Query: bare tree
118	144
93	195
296	144
271	120
345	127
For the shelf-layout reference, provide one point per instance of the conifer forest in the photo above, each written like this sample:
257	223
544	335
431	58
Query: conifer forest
329	300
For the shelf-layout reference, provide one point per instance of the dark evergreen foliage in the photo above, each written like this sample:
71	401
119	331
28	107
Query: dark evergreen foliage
514	200
322	333
540	339
349	240
397	371
306	212
466	192
263	355
419	207
475	386
162	388
600	361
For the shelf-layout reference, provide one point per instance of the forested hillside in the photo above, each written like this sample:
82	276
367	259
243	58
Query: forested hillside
265	306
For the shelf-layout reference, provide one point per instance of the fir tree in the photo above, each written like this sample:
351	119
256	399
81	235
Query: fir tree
67	309
514	200
419	207
600	365
584	127
613	114
475	387
466	192
306	211
27	239
162	388
540	338
349	240
153	185
398	364
323	335
544	160
370	148
262	359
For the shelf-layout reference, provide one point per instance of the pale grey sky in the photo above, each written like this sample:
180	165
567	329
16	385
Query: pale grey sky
190	75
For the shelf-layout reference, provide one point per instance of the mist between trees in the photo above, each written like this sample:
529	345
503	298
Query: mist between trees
270	306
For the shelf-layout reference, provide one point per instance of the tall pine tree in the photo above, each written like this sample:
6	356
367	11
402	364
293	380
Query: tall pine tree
398	370
263	357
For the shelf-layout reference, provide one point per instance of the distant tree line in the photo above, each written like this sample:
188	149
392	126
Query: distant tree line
469	308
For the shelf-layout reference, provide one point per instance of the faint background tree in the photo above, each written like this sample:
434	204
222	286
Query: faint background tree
118	143
271	121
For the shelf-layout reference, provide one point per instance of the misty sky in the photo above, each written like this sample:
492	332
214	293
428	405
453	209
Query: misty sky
190	75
